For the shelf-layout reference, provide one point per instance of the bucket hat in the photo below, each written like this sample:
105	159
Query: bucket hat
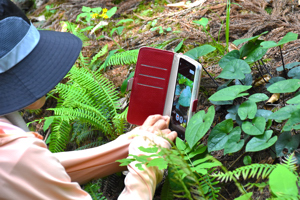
32	61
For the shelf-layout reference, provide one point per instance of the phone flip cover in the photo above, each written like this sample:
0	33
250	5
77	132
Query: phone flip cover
150	84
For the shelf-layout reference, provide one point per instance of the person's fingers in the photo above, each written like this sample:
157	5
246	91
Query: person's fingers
172	136
152	119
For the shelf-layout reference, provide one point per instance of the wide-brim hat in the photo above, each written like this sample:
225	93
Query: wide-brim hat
32	62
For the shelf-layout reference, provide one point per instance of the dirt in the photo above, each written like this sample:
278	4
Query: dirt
247	18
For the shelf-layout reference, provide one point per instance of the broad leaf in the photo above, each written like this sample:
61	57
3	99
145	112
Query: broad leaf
256	55
219	135
203	22
261	142
111	12
295	100
246	196
274	80
230	93
257	97
285	86
256	127
283	183
179	46
293	122
180	144
286	141
295	72
235	70
229	57
234	142
253	39
200	51
283	113
246	81
263	113
287	38
288	66
161	163
198	125
247	109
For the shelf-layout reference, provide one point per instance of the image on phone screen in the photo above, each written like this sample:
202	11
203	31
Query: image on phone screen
182	97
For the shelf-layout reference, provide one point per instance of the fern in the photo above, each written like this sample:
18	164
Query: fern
124	58
249	171
60	135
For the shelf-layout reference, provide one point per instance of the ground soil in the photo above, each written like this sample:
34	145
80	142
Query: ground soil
247	18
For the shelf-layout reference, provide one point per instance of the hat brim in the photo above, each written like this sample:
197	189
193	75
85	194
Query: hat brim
39	72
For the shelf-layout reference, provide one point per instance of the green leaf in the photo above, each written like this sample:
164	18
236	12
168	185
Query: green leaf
180	144
294	100
283	182
149	149
247	109
286	141
229	93
295	72
246	196
256	55
283	113
247	160
198	125
124	21
263	113
288	66
256	127
235	70
253	39
219	135
257	97
111	12
203	22
293	122
229	57
200	51
185	97
86	9
161	163
125	83
287	38
234	142
285	86
47	123
261	142
169	29
179	46
246	81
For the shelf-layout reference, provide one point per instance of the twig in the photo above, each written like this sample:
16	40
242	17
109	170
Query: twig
285	74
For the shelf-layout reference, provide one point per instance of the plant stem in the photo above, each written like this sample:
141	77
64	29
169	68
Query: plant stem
257	66
227	23
211	77
265	67
284	70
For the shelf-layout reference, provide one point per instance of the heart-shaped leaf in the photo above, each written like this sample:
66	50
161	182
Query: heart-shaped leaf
295	72
288	66
230	93
246	196
256	127
293	122
235	70
203	22
200	51
274	80
295	100
234	142
246	81
198	125
285	86
261	142
256	55
257	97
253	39
283	113
247	109
229	57
219	135
283	183
287	38
286	141
263	113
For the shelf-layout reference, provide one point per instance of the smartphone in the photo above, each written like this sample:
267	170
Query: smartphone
165	83
185	93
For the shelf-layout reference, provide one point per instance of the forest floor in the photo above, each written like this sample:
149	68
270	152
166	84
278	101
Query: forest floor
247	18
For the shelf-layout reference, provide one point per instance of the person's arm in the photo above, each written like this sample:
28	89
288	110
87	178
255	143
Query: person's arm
32	172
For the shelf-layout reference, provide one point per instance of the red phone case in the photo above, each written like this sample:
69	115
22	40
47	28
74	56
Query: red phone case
150	84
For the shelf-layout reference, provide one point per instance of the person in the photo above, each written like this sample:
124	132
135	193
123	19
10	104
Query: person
32	62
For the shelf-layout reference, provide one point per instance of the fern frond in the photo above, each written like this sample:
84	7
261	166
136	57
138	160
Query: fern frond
60	135
84	61
290	162
119	121
92	144
124	58
99	54
254	170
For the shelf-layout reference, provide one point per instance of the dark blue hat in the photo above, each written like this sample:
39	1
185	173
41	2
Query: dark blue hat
32	61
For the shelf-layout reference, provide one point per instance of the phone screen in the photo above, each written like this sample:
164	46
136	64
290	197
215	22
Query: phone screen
182	97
